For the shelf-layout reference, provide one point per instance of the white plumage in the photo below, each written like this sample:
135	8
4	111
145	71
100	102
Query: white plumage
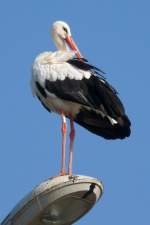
42	72
53	66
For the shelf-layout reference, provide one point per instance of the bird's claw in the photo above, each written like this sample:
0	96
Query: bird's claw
62	173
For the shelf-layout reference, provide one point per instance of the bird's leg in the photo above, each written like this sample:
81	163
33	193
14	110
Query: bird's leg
72	136
64	131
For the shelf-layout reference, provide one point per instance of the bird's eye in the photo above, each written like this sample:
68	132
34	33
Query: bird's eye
65	29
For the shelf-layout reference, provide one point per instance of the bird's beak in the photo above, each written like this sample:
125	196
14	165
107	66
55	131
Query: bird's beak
72	45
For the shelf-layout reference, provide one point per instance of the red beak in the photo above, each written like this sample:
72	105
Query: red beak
72	45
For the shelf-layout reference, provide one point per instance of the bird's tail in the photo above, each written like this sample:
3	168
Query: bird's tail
117	128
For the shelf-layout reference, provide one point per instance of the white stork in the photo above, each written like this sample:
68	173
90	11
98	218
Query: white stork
66	84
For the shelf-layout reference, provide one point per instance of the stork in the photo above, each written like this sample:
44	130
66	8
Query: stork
65	83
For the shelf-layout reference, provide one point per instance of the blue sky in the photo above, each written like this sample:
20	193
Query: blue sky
113	35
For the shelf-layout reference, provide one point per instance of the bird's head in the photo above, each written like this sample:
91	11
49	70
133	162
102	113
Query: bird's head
62	37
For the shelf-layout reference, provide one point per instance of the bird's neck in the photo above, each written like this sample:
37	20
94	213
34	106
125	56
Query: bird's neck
60	43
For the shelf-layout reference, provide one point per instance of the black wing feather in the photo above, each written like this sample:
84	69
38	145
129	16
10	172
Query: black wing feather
90	92
97	94
71	90
84	65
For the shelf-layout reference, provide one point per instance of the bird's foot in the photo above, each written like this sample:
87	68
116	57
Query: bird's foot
63	173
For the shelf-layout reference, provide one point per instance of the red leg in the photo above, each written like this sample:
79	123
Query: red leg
64	131
72	136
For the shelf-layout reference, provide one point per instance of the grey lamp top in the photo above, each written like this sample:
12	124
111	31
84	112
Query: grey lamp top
59	200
